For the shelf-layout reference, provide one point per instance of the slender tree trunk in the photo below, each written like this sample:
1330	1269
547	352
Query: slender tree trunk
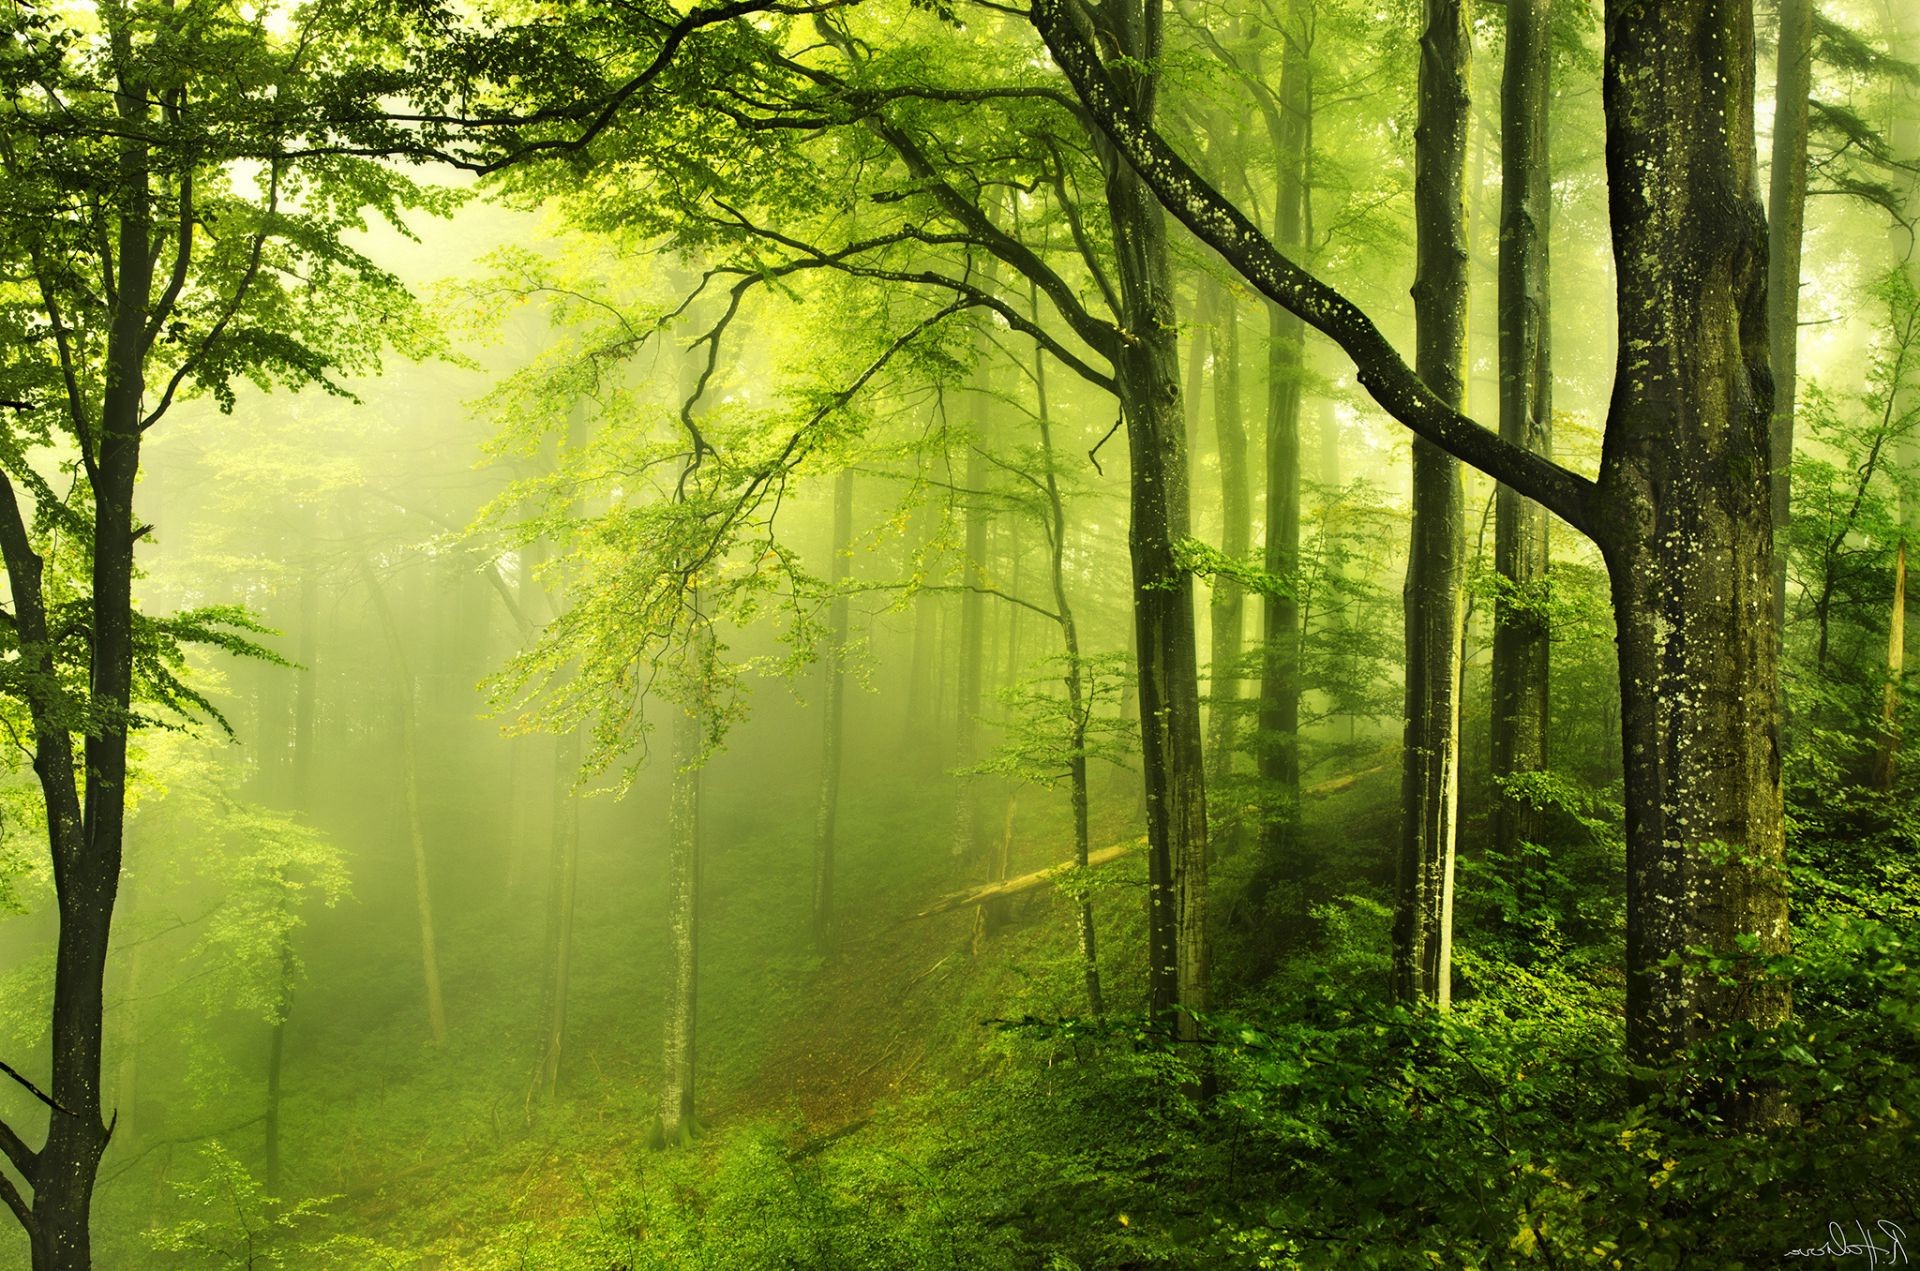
1430	789
563	887
1169	688
1228	602
1787	215
1078	705
1279	744
967	836
87	832
1520	630
834	672
299	789
1685	520
1887	760
416	824
677	1124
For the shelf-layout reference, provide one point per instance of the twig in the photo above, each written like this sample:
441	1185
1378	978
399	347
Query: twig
1094	454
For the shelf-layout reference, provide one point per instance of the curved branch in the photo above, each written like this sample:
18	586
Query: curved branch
1226	229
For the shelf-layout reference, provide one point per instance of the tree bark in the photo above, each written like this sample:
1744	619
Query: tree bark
1887	760
1787	215
1228	600
1686	519
1148	376
1430	778
1683	508
1078	707
1279	742
834	673
1520	630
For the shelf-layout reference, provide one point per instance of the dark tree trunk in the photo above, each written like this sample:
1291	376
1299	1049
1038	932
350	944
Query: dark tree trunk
1172	750
1430	776
1682	509
1685	519
1520	632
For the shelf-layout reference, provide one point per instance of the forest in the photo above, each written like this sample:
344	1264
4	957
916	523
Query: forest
958	634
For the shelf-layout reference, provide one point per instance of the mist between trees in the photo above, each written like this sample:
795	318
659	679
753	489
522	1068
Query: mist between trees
929	633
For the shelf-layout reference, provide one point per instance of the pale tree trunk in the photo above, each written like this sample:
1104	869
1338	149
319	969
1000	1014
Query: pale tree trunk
298	794
1172	747
832	740
1228	601
676	1124
416	825
1786	221
1887	760
1520	631
1430	777
1279	741
563	885
967	836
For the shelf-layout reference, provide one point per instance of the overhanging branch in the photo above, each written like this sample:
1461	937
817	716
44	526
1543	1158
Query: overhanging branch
1225	228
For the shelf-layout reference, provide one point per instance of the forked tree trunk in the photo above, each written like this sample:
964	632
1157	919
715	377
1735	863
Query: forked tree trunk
1430	774
1520	630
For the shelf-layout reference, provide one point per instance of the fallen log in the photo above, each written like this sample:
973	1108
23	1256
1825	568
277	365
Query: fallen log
1028	882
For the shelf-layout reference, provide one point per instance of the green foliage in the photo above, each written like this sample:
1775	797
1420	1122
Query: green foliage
233	1222
1043	734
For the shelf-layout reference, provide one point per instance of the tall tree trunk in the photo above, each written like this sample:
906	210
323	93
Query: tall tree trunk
563	887
1430	784
416	823
1279	742
676	1124
967	836
1787	216
86	832
1686	520
1887	760
834	672
1682	510
298	794
1172	749
1520	631
1228	602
